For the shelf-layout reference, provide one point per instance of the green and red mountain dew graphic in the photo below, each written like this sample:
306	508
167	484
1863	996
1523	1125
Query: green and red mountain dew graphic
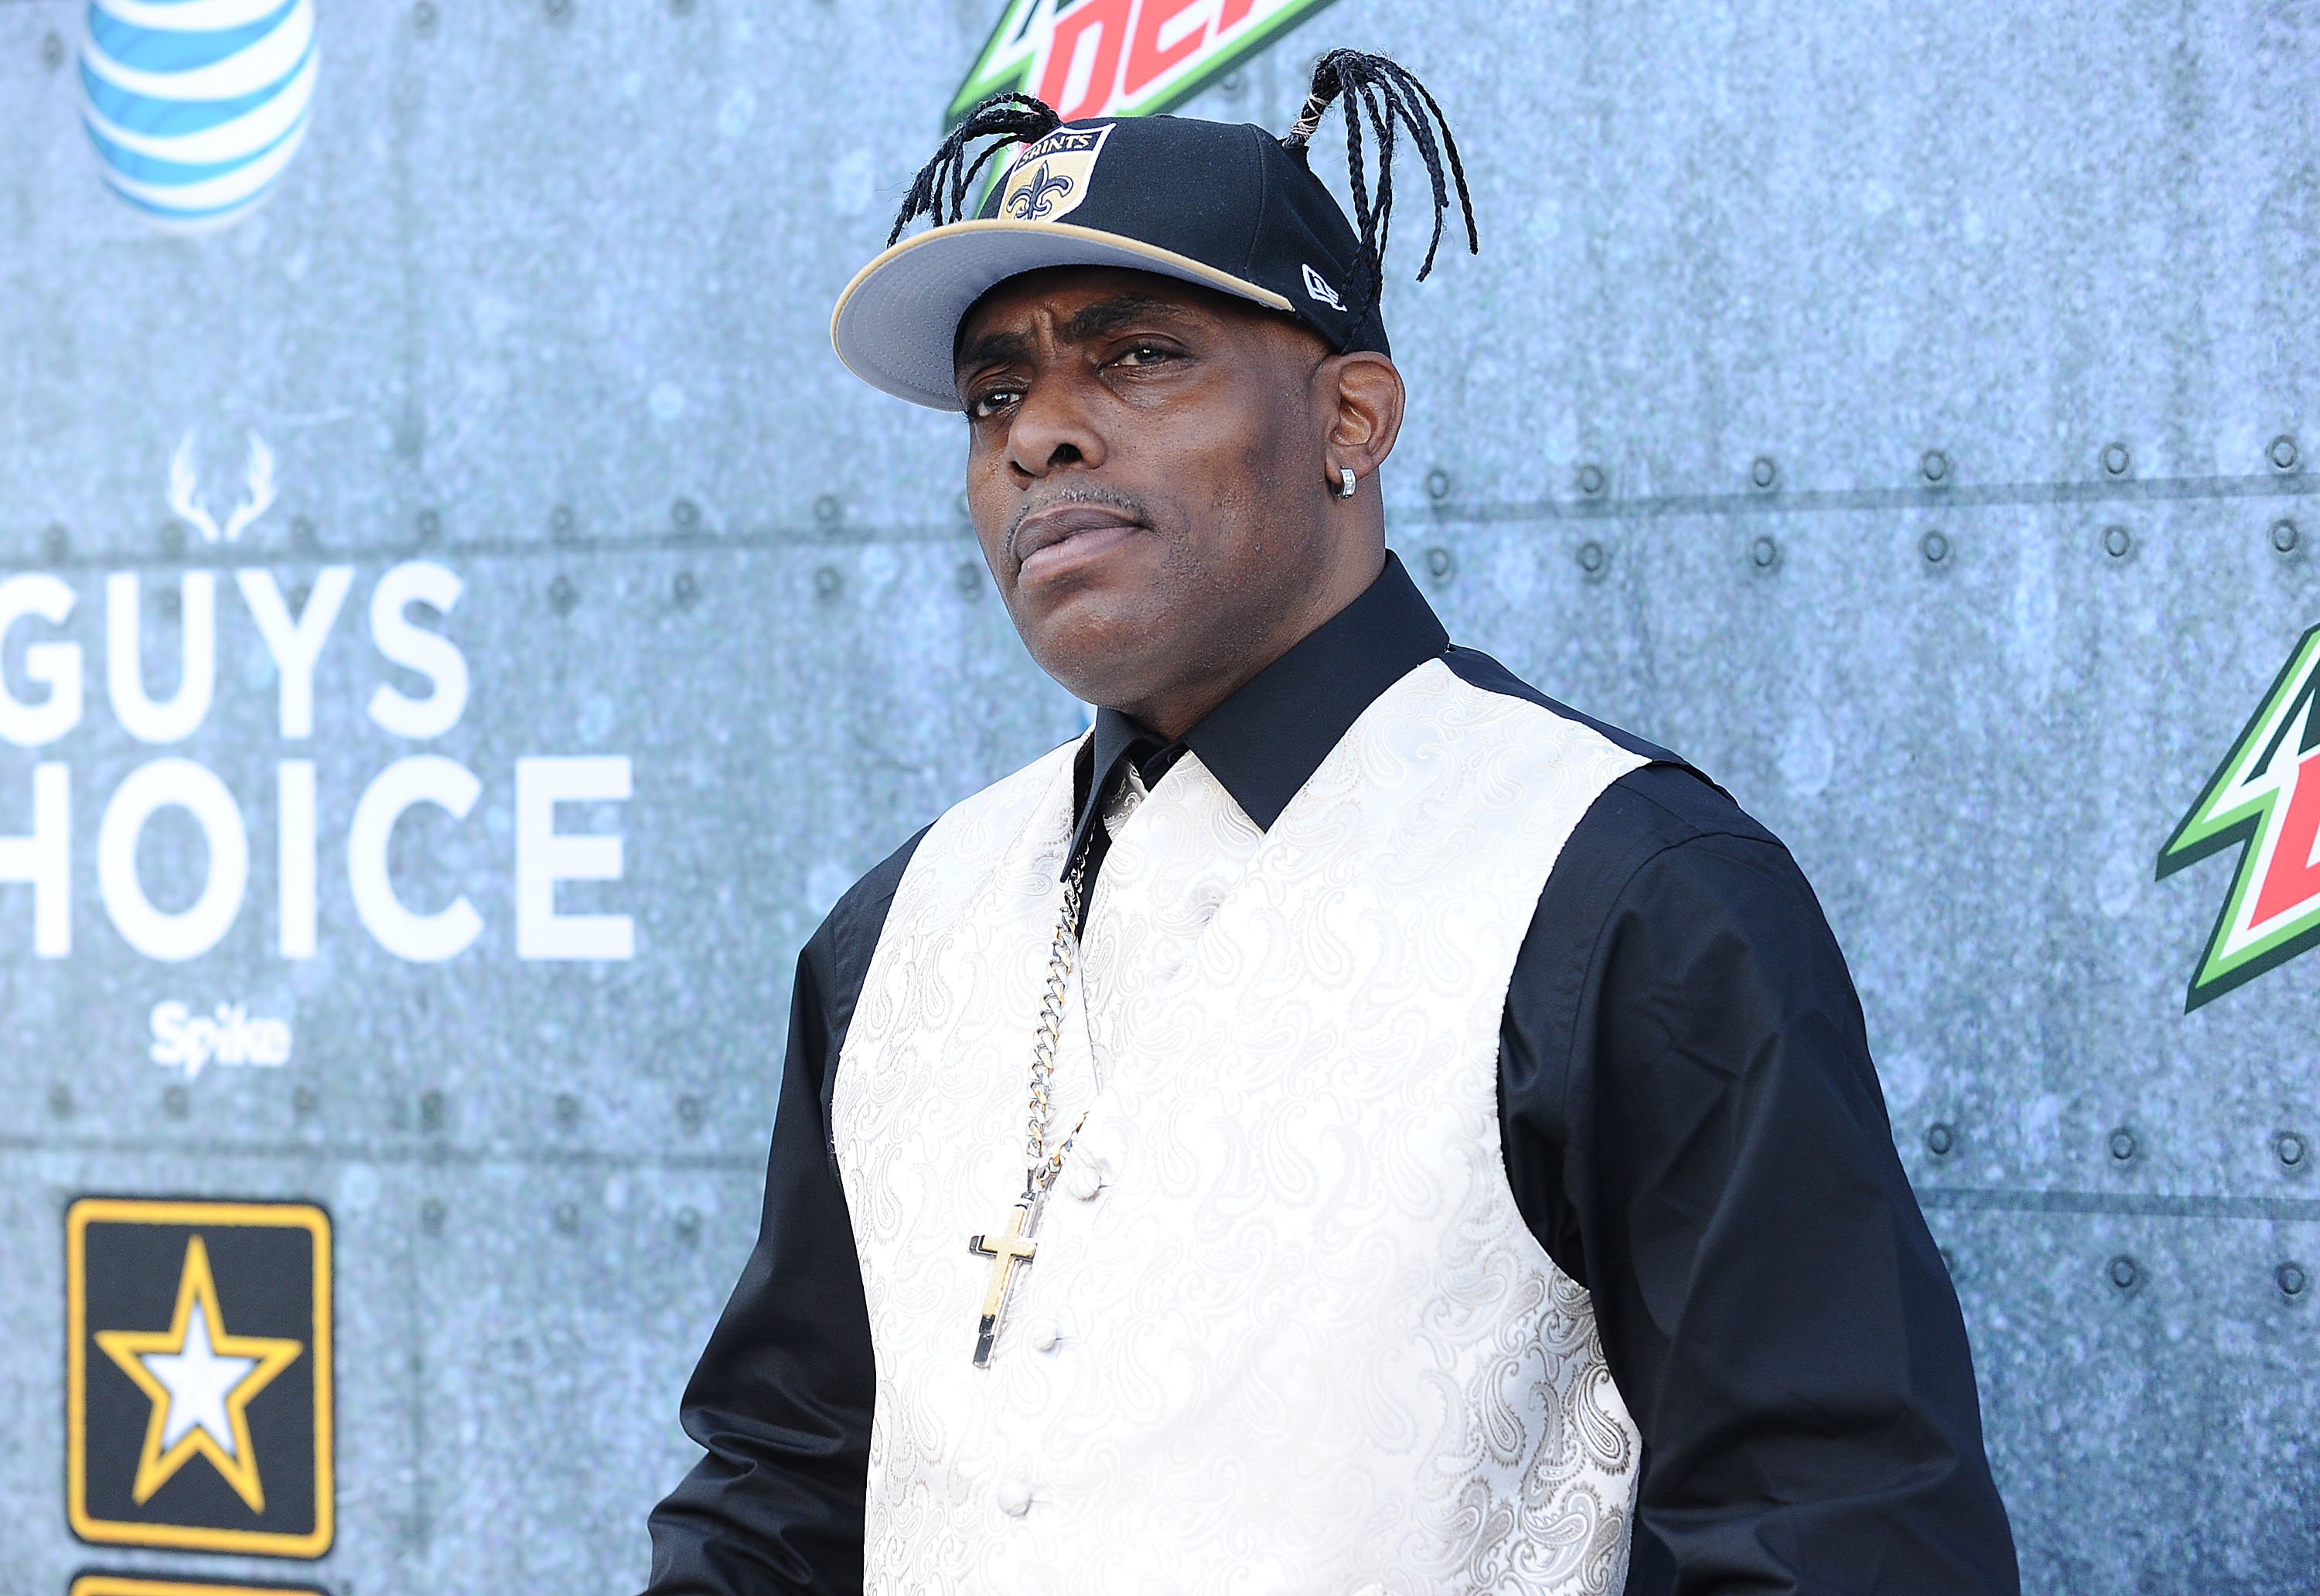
1121	57
2264	799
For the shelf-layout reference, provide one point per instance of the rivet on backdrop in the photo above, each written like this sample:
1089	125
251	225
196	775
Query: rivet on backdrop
969	580
1764	472
1940	1139
2292	1279
2116	542
1233	85
558	10
2122	1145
422	19
560	523
301	534
431	1216
1764	552
171	603
1439	563
53	51
172	534
175	1102
303	1102
827	510
2283	536
562	595
430	1112
567	1110
688	1113
684	590
2117	459
567	1217
2291	1150
680	7
685	515
2282	453
1592	480
60	1101
428	525
2125	1272
1935	465
828	583
1437	483
55	543
688	1226
1591	557
1936	547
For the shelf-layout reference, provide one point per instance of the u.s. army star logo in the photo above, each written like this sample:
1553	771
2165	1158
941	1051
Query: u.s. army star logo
198	1375
1050	178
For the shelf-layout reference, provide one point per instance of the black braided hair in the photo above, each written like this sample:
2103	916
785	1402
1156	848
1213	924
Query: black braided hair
1003	119
1383	92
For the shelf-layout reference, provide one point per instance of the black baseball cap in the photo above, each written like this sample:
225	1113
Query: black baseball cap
1227	206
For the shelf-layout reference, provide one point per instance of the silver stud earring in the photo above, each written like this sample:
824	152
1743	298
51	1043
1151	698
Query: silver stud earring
1344	482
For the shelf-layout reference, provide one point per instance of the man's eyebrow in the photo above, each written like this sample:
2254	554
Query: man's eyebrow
1107	316
1099	320
990	348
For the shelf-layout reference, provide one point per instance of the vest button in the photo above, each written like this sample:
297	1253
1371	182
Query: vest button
1084	1178
1014	1497
1047	1335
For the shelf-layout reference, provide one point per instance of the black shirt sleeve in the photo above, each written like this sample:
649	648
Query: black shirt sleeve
781	1399
1694	1131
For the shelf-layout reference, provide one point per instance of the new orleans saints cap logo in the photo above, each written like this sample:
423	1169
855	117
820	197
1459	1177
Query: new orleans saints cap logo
198	1375
1051	176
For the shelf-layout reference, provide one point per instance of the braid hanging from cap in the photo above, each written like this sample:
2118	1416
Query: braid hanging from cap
1003	119
1382	93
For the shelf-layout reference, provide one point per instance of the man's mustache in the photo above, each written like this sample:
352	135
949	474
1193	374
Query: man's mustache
1085	494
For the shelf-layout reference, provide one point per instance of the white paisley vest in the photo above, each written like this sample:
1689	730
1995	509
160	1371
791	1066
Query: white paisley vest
1286	1330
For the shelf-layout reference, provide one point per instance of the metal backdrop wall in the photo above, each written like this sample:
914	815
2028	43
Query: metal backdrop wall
1905	411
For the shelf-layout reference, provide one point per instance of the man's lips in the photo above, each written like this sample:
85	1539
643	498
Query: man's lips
1073	527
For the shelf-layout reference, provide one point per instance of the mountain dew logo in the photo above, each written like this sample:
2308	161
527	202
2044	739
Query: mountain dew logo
2266	797
1121	57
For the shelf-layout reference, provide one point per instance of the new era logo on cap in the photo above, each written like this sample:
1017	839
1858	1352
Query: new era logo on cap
1316	285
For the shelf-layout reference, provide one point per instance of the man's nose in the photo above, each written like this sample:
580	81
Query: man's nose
1053	429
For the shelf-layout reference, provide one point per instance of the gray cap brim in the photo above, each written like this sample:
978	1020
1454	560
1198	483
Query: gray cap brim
896	322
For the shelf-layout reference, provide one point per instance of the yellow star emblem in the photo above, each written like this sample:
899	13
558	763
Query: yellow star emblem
201	1381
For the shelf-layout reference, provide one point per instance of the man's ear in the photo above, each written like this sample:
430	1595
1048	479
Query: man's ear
1360	397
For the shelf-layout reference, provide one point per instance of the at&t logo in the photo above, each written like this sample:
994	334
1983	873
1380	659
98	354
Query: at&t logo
195	107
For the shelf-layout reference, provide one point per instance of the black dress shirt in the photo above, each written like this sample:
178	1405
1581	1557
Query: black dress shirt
1692	1129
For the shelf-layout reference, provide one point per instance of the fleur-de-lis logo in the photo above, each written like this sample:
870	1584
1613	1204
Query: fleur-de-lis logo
257	473
1034	196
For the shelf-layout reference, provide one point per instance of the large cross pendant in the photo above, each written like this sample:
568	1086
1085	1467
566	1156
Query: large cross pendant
1005	1249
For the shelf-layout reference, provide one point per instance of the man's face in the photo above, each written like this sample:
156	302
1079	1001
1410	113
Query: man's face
1146	474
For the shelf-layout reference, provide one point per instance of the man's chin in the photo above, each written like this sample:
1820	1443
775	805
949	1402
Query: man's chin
1103	649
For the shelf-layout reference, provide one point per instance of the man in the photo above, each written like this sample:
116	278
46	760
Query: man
1349	1123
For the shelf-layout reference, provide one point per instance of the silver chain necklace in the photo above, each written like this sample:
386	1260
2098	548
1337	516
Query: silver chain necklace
1012	1246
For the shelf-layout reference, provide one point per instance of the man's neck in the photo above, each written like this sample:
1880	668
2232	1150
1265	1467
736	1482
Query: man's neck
1170	713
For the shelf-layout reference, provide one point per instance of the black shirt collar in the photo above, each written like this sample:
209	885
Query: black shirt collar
1265	741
